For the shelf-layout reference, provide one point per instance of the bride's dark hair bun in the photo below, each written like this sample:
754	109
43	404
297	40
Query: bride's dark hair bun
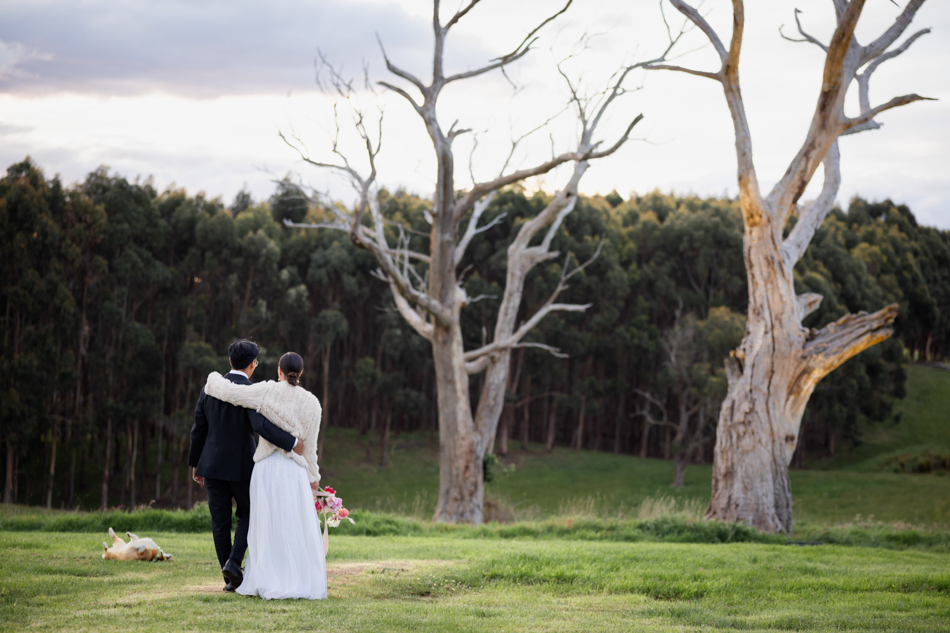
292	365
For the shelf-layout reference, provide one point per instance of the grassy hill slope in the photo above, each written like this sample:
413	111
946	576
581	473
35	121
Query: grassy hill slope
924	423
569	482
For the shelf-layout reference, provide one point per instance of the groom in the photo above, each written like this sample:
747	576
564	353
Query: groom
221	457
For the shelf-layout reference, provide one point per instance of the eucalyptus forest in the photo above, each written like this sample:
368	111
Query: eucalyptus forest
119	298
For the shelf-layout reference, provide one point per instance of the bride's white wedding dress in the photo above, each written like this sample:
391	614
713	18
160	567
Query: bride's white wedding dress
285	547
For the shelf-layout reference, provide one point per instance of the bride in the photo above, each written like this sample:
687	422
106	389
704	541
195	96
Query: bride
285	548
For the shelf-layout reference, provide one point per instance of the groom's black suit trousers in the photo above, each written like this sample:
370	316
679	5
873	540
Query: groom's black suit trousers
220	493
222	450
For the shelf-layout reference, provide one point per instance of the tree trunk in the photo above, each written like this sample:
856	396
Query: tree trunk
52	465
552	425
579	438
384	439
324	419
71	490
106	465
679	469
526	413
133	448
505	425
621	416
644	437
461	447
8	484
771	377
372	429
158	462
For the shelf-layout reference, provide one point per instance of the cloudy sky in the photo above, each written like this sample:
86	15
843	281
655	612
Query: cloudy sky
194	92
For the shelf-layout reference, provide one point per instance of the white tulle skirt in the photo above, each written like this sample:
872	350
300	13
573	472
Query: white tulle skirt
285	547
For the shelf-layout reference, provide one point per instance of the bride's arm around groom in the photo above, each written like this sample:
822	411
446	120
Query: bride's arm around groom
291	408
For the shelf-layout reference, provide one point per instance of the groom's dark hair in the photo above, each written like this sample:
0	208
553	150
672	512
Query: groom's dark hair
242	353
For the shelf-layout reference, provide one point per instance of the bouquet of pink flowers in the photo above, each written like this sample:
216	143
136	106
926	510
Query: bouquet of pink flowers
331	507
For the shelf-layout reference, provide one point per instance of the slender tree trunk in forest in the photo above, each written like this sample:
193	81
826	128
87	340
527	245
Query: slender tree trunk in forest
644	437
159	431
779	362
324	419
526	414
384	438
579	432
71	491
372	429
247	300
132	448
54	439
503	430
8	482
552	425
619	420
106	466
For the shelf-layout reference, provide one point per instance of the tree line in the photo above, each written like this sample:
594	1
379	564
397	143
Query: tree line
119	299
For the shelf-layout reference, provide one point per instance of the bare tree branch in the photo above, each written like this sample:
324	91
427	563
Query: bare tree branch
399	72
806	36
812	215
896	102
881	44
680	69
863	78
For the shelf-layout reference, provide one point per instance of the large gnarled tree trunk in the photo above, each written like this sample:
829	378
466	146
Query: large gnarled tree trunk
779	362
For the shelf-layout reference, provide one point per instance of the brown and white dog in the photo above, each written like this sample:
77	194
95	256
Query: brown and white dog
136	549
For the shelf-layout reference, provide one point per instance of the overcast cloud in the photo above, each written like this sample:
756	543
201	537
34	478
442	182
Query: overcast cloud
193	93
207	48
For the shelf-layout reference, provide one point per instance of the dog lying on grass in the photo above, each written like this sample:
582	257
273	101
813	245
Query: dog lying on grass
136	549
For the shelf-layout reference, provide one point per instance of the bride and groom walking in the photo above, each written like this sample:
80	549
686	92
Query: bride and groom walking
271	483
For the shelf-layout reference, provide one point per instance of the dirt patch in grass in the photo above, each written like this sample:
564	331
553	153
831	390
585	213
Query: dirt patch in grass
345	574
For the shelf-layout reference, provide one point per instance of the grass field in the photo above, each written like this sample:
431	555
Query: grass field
603	544
60	582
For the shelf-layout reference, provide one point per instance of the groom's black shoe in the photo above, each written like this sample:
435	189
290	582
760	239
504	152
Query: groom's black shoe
228	588
233	573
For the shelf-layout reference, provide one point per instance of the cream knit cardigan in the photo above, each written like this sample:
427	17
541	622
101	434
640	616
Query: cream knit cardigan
294	409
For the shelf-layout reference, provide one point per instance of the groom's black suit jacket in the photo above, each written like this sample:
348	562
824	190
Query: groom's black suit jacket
222	439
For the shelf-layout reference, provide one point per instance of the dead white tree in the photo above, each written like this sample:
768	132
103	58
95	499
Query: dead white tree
689	422
426	286
779	362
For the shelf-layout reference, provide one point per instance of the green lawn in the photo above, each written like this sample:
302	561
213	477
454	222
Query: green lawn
567	482
59	582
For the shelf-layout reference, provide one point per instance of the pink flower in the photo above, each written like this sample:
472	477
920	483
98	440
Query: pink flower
343	513
329	490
